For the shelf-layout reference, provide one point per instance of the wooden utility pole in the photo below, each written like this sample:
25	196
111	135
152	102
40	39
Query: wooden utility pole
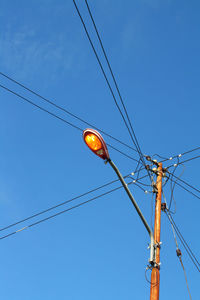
155	274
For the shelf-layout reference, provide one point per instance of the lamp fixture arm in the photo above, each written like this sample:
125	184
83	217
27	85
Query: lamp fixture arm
152	244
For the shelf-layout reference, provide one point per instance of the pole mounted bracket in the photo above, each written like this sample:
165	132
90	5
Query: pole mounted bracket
155	189
157	265
178	252
152	246
163	206
158	245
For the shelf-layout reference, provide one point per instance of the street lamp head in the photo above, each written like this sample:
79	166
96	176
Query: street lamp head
95	142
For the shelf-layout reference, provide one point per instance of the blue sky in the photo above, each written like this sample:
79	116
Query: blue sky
98	251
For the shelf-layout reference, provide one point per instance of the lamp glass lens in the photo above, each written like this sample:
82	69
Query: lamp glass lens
93	142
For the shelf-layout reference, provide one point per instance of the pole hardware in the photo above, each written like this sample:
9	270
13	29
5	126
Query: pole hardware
157	265
158	245
154	161
178	252
163	206
155	170
154	186
147	167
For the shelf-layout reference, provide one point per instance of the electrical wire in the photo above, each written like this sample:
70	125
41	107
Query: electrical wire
128	156
108	84
99	62
180	258
182	240
61	212
189	151
188	250
177	183
177	247
115	82
162	157
173	187
60	204
64	110
182	162
63	203
152	284
138	185
57	117
175	156
185	244
179	155
186	183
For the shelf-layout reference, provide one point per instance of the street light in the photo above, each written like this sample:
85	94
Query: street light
97	145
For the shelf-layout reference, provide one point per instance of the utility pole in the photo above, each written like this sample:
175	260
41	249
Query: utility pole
155	274
97	145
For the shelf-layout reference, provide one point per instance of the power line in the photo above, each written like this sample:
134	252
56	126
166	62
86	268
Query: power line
178	252
186	183
115	82
40	107
60	204
122	152
64	110
177	183
173	186
177	155
57	117
61	212
189	151
181	238
182	162
66	202
184	243
181	261
104	74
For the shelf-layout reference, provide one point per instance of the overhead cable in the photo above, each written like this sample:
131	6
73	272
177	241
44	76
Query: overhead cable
178	155
60	204
64	110
181	238
57	117
173	185
116	85
186	183
67	201
104	74
182	162
178	252
185	245
61	212
184	242
182	186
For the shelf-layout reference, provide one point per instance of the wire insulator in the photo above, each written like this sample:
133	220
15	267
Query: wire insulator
163	206
148	158
178	252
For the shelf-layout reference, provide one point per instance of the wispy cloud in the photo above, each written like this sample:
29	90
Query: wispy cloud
25	52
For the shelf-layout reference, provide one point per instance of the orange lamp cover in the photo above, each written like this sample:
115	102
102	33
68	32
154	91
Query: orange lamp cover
95	142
